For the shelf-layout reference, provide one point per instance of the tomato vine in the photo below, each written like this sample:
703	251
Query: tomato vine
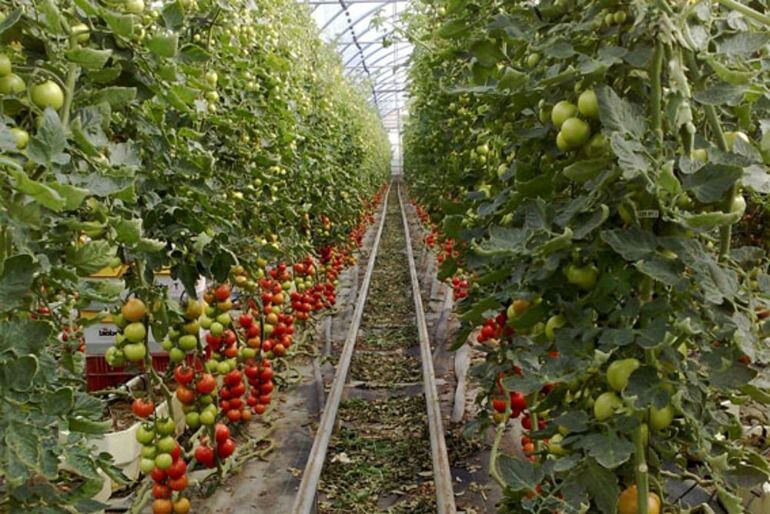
593	157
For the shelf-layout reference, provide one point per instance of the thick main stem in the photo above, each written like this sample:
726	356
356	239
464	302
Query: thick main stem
655	101
642	474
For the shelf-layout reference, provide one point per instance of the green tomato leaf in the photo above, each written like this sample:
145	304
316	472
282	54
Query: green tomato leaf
90	257
15	280
520	474
121	24
632	243
89	58
710	183
47	146
619	115
116	96
609	450
164	45
602	483
41	193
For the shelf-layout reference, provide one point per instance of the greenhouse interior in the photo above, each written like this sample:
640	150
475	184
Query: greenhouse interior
385	256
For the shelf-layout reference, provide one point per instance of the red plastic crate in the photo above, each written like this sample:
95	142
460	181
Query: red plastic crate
99	374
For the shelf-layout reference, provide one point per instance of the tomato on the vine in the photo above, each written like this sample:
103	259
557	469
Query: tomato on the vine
627	502
143	407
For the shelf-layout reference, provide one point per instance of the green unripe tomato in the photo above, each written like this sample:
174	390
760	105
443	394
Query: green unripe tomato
606	405
145	434
223	368
5	65
205	322
609	19
149	451
561	112
212	78
620	17
582	276
166	444
164	461
47	94
588	104
176	355
146	465
165	426
192	419
533	59
12	84
661	418
224	319
575	132
207	418
217	328
115	357
554	322
167	344
561	144
596	146
21	136
135	352
619	371
555	447
135	332
188	342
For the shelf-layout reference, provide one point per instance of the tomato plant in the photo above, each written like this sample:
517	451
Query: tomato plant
592	157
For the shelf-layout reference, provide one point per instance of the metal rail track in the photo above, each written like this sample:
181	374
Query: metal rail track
305	501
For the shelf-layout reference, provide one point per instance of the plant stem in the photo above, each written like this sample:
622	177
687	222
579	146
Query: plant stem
73	71
655	76
494	453
746	11
642	478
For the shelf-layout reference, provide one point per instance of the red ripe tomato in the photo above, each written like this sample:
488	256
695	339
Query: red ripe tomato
518	401
205	456
499	405
267	345
221	433
264	399
222	293
184	374
228	337
224	405
177	469
279	349
251	401
245	415
206	383
526	422
231	351
225	448
238	390
246	320
176	453
234	415
251	372
260	409
266	374
266	387
161	491
185	394
178	484
236	403
143	407
233	378
253	331
158	475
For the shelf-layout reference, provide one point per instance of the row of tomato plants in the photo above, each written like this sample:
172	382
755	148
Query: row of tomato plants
211	139
582	164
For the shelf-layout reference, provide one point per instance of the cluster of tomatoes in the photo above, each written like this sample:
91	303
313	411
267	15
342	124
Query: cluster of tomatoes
161	457
221	342
225	447
196	392
131	338
460	287
494	328
182	338
260	377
